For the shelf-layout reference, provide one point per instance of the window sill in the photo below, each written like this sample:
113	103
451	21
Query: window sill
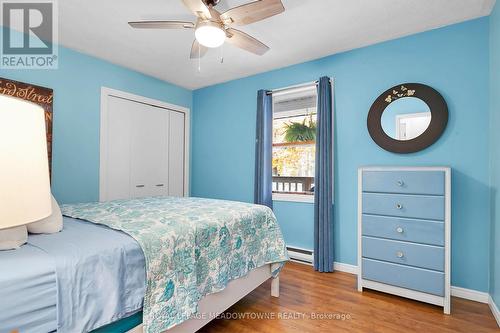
293	197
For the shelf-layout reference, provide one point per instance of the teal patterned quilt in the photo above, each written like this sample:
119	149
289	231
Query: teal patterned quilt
193	247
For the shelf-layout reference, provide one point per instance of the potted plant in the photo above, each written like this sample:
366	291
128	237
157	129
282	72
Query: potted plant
301	131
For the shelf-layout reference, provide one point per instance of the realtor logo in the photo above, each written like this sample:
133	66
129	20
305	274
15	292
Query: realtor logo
29	34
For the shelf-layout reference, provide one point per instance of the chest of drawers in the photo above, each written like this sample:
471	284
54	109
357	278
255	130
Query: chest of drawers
404	232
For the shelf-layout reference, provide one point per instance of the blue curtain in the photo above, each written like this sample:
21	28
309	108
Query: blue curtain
323	182
263	150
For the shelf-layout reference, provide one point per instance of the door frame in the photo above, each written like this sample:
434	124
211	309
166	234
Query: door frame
103	144
399	117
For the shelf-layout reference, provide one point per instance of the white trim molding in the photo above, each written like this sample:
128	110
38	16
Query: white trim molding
346	268
470	294
293	197
494	309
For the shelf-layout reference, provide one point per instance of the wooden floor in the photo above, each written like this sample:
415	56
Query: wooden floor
305	293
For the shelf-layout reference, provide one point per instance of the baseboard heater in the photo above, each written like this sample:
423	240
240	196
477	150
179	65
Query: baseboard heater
302	256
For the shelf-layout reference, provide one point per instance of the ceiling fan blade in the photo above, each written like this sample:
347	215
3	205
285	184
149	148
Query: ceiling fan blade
214	14
252	12
246	42
198	7
161	25
197	50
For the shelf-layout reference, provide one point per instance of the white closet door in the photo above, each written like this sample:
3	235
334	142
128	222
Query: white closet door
176	154
143	150
117	166
149	151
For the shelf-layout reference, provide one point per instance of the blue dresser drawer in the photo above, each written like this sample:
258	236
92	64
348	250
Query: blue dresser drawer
418	279
406	182
418	255
402	205
411	230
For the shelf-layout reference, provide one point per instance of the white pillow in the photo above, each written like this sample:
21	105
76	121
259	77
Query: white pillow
50	224
13	238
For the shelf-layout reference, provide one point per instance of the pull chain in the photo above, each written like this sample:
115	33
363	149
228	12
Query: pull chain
222	54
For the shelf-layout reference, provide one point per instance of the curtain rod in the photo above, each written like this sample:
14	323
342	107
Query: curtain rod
294	87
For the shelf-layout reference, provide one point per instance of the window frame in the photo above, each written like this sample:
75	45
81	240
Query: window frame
290	197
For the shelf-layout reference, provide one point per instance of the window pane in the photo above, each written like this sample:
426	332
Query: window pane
294	143
295	161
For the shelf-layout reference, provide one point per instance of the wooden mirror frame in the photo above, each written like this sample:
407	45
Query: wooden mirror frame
439	118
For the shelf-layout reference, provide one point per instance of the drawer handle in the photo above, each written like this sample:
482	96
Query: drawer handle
139	185
399	206
400	183
160	185
399	230
400	254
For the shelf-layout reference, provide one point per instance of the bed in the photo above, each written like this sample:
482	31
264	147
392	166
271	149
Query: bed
91	275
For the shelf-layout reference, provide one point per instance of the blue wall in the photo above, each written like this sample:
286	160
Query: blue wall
77	85
454	60
495	153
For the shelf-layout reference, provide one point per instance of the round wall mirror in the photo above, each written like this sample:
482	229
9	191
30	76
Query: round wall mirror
407	118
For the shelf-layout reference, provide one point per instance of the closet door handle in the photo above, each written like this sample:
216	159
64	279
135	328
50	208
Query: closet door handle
139	185
160	185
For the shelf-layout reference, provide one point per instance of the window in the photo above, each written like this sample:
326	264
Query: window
294	144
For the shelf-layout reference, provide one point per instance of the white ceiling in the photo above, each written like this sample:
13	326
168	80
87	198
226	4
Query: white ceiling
308	29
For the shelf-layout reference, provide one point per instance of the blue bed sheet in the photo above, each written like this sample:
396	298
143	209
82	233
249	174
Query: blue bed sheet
100	279
28	291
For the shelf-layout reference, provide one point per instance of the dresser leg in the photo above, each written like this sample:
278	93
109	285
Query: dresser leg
275	287
447	307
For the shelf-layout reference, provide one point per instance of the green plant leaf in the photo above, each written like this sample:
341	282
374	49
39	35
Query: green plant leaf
299	132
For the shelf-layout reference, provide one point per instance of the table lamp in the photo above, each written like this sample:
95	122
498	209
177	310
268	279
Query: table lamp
24	170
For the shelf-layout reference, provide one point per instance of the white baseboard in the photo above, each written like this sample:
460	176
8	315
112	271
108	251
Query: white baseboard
494	310
346	268
470	294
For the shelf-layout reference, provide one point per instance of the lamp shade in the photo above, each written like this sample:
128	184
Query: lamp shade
24	169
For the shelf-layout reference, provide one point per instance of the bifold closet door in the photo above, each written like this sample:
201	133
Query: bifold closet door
149	151
144	150
117	167
176	148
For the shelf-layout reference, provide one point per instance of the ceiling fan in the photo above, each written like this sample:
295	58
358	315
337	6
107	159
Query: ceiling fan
213	28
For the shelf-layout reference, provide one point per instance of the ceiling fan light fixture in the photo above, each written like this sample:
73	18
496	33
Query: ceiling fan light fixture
210	34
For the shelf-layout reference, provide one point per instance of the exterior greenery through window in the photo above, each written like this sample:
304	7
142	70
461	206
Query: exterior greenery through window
294	141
